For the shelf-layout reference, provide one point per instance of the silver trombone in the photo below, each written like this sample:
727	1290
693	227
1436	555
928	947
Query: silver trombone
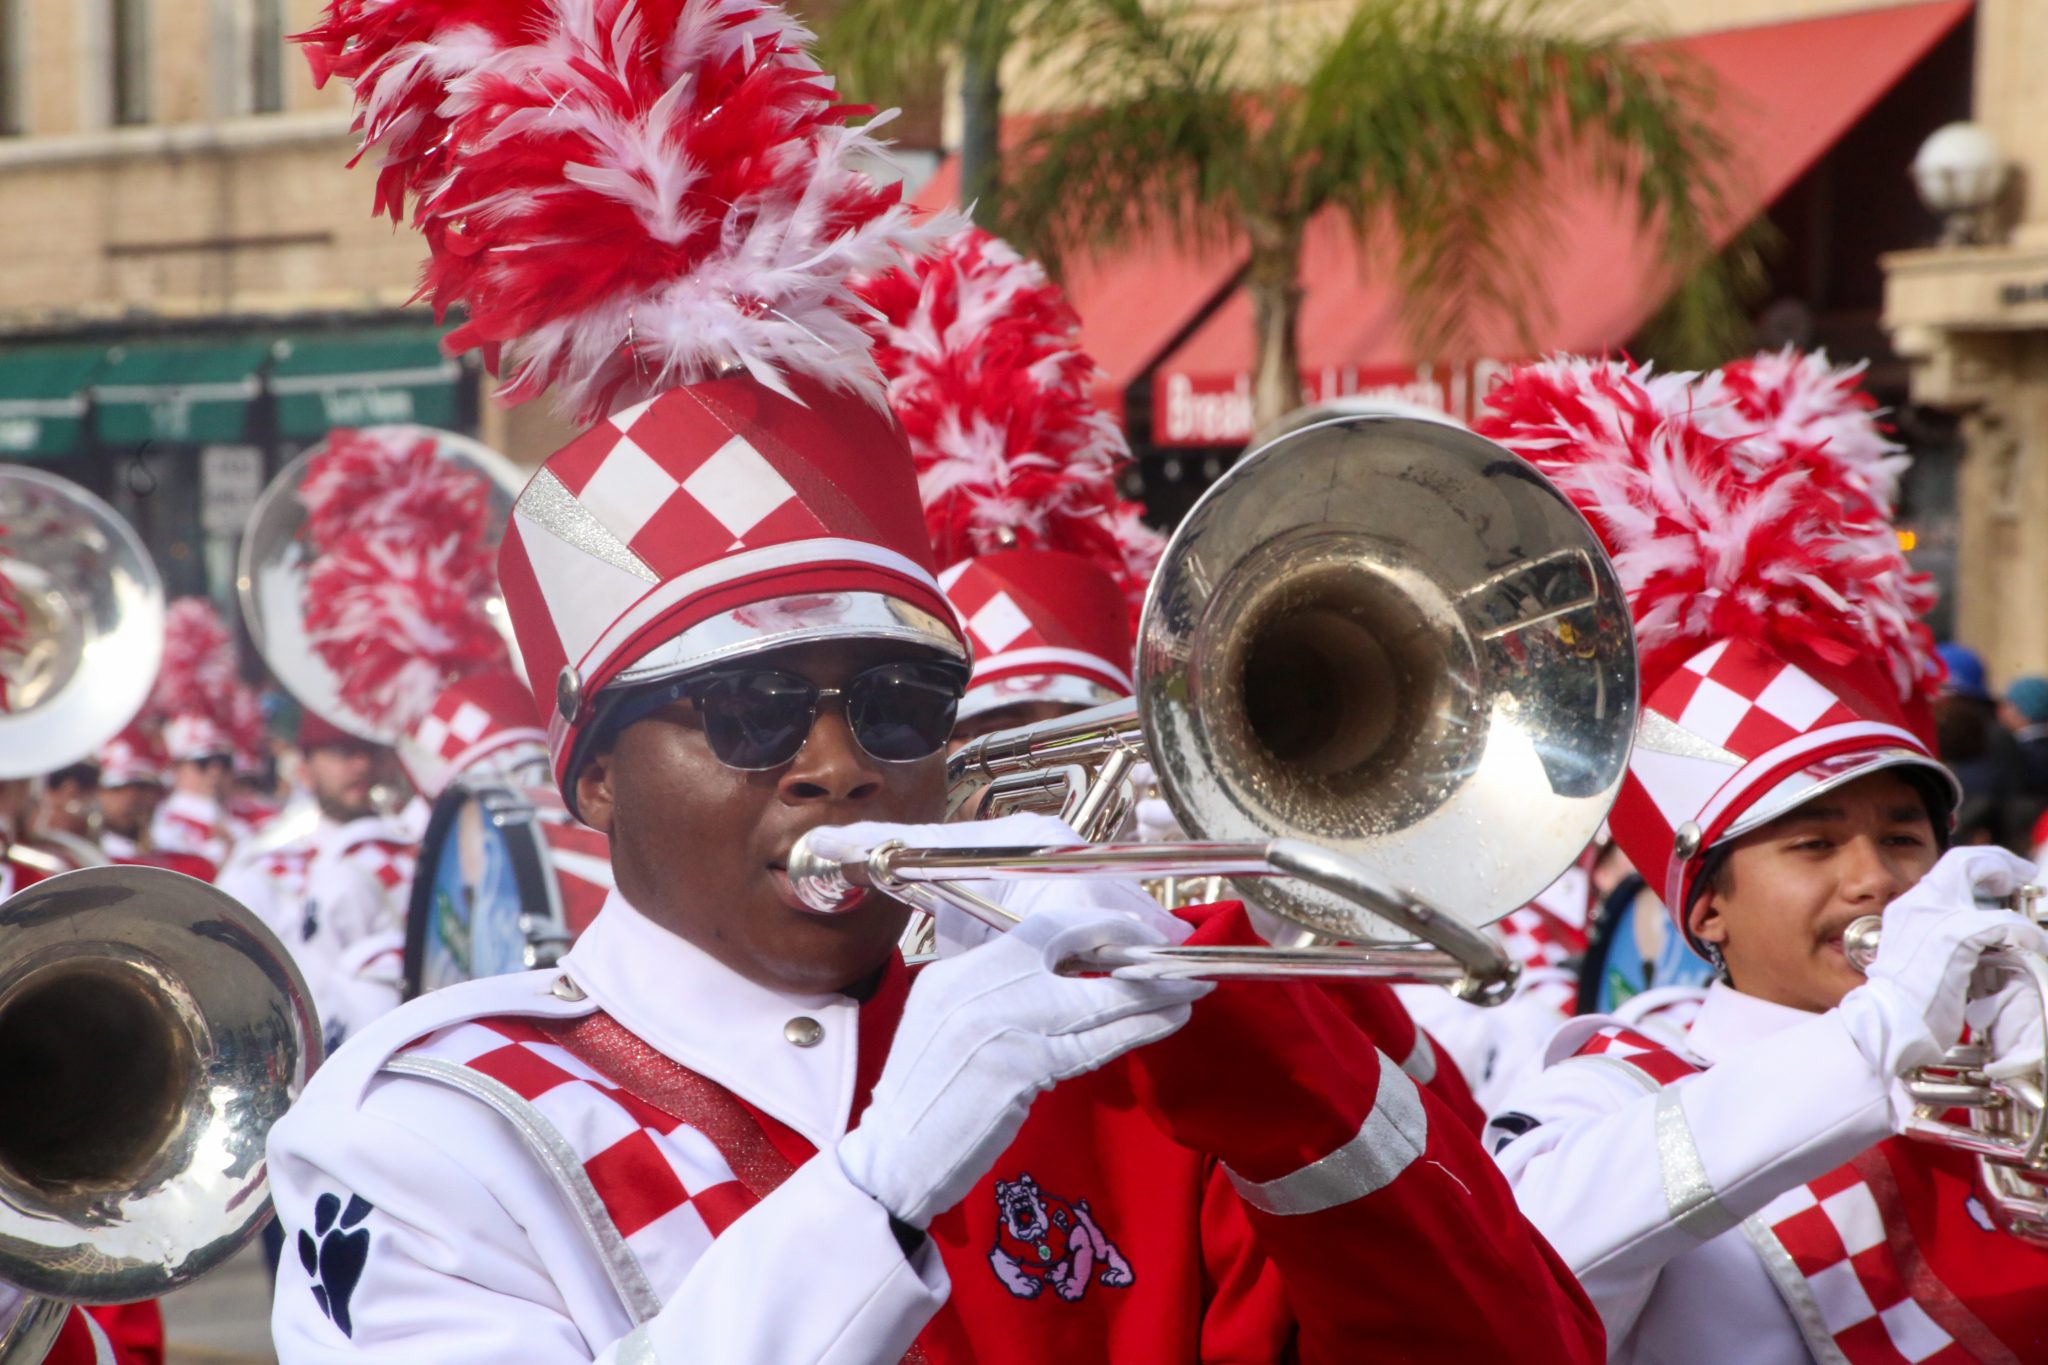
2005	1108
1387	684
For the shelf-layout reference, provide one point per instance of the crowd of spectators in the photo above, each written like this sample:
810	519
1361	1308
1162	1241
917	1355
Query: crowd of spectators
1998	748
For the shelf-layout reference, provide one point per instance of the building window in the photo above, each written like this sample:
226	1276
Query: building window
130	53
13	68
266	56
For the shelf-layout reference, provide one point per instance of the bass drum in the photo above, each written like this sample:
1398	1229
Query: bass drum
507	879
1635	949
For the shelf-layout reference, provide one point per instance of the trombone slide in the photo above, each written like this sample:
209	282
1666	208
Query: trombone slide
826	876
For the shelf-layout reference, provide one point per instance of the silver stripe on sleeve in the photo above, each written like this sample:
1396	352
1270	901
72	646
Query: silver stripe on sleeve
1420	1063
1796	1291
1688	1192
559	1160
637	1348
1394	1134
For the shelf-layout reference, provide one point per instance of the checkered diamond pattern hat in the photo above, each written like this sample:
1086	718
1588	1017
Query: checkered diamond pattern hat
484	718
1045	626
710	523
1778	623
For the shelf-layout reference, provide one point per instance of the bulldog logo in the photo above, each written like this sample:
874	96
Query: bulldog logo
1042	1240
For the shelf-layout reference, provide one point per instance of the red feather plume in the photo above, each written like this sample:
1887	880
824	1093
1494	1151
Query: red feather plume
1716	535
623	195
986	374
395	594
199	673
13	628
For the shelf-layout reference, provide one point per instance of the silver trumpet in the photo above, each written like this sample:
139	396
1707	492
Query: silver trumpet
2005	1108
151	1032
1387	684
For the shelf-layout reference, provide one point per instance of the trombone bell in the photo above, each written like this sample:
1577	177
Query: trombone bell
151	1032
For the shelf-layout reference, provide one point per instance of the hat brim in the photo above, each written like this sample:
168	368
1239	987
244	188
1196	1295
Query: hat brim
781	622
1832	773
1023	690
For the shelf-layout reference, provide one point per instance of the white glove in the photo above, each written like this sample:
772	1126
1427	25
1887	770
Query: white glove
2010	1021
1910	1010
959	931
1153	821
981	1037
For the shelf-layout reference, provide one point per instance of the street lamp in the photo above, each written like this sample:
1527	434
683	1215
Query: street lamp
1959	174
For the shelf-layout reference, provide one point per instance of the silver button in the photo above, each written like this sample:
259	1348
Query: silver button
803	1031
565	989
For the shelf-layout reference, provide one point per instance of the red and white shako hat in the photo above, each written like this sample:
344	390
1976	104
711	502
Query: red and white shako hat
657	222
397	604
134	756
1782	652
1045	626
1018	466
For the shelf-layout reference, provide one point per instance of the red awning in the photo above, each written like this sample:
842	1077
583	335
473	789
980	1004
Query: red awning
1133	306
1789	93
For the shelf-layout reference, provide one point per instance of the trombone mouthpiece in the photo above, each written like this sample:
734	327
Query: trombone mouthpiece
816	875
1860	940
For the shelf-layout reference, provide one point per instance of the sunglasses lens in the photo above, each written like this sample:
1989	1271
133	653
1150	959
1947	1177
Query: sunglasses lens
756	720
901	712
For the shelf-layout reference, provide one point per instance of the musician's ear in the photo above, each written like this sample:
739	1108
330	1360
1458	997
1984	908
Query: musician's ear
594	791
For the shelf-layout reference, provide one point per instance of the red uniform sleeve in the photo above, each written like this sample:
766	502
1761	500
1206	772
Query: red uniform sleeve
1381	1016
135	1329
1386	1221
1245	1316
80	1342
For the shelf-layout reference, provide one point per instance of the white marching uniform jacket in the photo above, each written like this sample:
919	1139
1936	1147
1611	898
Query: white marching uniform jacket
478	1254
186	822
1644	1190
335	895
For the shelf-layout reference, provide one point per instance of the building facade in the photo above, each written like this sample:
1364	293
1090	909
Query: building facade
193	288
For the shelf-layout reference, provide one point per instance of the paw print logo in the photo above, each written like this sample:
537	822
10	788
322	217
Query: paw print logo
334	1254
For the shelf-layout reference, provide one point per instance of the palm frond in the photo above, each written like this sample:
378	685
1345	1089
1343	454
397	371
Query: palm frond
1168	148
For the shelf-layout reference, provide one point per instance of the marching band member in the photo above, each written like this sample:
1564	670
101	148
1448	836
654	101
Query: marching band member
1018	469
1742	1197
196	695
724	598
131	784
122	1334
131	767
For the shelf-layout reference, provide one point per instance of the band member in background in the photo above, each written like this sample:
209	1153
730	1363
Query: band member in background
725	602
1741	1197
197	700
119	1334
1047	564
334	890
1051	635
1015	458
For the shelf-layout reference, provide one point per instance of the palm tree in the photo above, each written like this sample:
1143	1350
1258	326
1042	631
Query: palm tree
1430	125
886	50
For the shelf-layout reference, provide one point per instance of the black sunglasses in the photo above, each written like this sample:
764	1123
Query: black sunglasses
756	719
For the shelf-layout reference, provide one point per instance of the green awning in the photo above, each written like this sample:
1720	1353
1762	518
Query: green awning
361	378
184	393
42	399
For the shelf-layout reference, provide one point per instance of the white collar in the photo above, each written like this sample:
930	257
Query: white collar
194	806
118	845
695	1010
1729	1021
339	838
